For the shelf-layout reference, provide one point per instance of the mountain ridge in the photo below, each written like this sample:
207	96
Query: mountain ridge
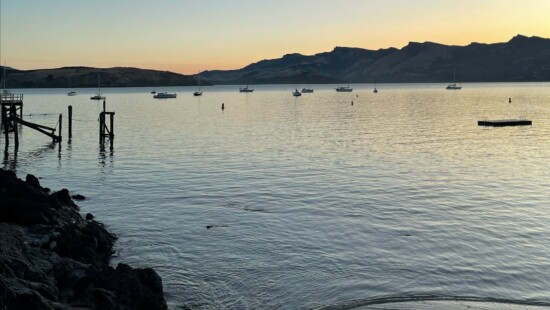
521	58
81	76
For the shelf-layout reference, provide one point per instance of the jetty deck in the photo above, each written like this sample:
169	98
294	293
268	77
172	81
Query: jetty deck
505	122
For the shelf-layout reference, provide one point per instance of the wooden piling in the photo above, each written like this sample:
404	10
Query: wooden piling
70	122
60	127
101	126
13	121
112	131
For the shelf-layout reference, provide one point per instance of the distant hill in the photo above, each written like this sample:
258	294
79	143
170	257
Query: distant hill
520	59
87	77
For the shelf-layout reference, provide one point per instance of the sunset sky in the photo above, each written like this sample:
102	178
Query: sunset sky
188	36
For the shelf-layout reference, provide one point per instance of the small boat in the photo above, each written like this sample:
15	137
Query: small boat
454	86
165	95
71	93
307	90
245	89
98	96
198	92
344	89
375	91
296	93
153	92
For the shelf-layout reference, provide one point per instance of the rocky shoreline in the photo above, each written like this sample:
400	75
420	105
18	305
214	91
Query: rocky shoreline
53	258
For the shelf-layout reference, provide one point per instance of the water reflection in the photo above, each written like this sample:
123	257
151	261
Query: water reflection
103	153
39	153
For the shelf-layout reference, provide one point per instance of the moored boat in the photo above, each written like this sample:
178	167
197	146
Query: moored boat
165	95
296	93
245	89
344	89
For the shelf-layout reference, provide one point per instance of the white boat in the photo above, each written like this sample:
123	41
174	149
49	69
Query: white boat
296	93
454	86
71	93
165	95
307	90
198	92
344	89
245	89
98	96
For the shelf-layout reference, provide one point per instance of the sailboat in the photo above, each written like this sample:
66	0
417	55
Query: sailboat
296	93
454	86
72	92
246	89
98	96
375	90
199	92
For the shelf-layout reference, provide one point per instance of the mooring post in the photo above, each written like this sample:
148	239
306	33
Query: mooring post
104	106
101	126
13	116
60	126
70	122
112	131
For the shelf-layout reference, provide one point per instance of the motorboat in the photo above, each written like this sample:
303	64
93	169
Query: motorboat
97	97
344	89
165	95
71	93
197	93
307	90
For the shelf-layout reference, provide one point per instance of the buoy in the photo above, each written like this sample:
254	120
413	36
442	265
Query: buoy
223	107
352	102
509	100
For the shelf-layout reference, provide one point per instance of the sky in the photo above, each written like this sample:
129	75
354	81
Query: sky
188	36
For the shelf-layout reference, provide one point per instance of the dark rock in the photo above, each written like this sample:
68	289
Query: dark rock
151	279
62	198
78	197
89	216
33	181
51	258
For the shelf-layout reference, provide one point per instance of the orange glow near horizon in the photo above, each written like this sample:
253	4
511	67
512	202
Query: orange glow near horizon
194	36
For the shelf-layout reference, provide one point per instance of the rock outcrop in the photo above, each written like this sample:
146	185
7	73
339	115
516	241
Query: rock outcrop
53	258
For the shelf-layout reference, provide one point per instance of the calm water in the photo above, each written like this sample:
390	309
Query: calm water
314	201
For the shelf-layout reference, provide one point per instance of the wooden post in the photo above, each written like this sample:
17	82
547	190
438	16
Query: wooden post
101	126
60	126
13	121
70	122
104	106
112	131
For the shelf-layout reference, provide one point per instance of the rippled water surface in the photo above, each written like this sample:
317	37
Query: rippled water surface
313	201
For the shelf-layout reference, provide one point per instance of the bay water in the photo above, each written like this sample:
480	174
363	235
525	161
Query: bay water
320	200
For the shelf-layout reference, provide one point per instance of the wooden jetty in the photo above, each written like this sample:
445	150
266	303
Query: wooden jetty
505	122
12	116
7	100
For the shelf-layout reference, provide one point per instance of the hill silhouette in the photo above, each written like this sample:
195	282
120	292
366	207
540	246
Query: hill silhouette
520	59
